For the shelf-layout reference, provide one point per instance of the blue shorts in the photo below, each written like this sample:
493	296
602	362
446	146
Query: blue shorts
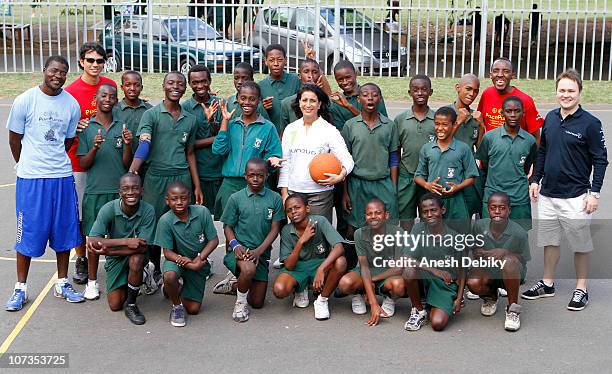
47	211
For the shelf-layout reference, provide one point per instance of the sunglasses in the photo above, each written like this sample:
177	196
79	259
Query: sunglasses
100	61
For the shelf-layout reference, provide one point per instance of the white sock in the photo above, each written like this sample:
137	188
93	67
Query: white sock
241	297
548	284
321	298
61	281
92	283
21	286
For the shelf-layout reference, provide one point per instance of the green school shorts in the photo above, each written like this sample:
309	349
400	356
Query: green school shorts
117	269
439	294
155	187
304	272
227	188
378	285
362	190
210	187
261	271
408	194
194	282
92	203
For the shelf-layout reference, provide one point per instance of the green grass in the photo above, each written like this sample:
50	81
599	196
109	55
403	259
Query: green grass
394	89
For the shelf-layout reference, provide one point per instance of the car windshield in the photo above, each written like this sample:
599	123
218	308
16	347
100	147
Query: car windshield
190	29
349	18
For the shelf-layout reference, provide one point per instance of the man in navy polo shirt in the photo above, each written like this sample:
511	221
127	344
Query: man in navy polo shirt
572	145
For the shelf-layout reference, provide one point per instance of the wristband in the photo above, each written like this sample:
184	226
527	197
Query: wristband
233	244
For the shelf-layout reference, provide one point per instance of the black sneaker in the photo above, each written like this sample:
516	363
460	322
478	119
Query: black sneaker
539	290
133	314
579	300
80	270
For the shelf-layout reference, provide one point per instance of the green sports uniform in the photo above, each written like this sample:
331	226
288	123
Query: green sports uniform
506	158
104	174
438	294
209	164
455	164
287	113
232	104
468	132
364	246
131	117
313	253
288	85
413	134
113	223
514	239
238	145
187	239
250	214
370	148
167	161
340	114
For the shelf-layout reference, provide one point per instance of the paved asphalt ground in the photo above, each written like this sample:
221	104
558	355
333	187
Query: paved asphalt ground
279	338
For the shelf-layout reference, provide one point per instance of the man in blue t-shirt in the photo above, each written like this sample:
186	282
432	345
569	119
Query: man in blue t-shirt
42	126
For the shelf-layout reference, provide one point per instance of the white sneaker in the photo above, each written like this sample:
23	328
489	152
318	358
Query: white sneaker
488	307
300	299
417	319
471	296
513	319
149	285
225	286
358	304
502	292
277	264
388	306
241	312
321	309
92	292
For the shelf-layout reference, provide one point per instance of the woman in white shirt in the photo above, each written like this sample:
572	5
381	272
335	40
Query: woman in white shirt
302	141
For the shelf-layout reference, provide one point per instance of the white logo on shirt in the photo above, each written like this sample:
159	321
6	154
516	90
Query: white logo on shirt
579	136
451	173
474	133
119	142
201	237
320	249
257	143
522	160
432	138
270	212
184	137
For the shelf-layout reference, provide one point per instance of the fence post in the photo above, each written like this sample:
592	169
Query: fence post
317	32
336	31
150	36
482	54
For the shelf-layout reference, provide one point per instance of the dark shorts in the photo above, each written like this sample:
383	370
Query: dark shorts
378	285
439	294
361	191
155	189
408	194
194	282
47	211
228	187
210	188
261	271
304	272
92	203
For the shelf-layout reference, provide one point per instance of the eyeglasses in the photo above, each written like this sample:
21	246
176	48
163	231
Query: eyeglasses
100	61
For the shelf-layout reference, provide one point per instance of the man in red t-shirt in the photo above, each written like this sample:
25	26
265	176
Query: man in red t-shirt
83	89
490	104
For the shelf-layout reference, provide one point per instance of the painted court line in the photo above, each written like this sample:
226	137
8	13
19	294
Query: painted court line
2	258
26	317
7	185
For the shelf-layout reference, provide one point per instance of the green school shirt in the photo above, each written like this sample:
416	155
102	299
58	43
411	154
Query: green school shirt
455	164
318	247
129	115
468	131
287	113
209	164
186	238
370	148
365	246
169	140
251	214
437	247
104	174
288	85
113	223
240	143
232	103
413	134
506	158
340	114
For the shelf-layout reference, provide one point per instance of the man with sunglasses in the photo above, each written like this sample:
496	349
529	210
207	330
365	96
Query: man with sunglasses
92	57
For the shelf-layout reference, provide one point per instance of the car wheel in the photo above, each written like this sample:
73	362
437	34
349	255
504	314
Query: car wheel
186	65
113	62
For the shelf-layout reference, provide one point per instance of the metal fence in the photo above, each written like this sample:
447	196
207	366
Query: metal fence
440	38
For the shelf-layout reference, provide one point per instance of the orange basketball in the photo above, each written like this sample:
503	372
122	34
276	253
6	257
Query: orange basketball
324	163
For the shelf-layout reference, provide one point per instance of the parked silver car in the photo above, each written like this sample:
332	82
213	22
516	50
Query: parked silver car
363	42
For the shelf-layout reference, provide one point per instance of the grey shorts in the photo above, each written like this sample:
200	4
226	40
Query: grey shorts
321	203
567	215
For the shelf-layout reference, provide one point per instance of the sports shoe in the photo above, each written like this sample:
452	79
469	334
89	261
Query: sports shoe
177	316
80	270
321	309
488	307
513	319
92	292
134	315
388	306
579	300
277	264
417	319
300	299
358	304
539	290
158	278
65	291
471	296
502	292
17	300
225	286
149	284
241	312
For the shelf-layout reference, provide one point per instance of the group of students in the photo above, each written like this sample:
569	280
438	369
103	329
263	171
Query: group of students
245	162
